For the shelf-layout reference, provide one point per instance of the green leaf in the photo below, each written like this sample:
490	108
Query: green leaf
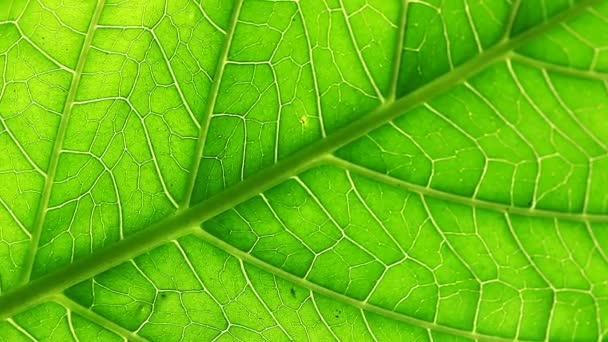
304	170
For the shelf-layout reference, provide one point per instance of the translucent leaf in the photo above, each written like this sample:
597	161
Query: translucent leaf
303	170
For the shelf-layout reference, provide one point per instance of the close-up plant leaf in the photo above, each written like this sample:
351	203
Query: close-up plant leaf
384	170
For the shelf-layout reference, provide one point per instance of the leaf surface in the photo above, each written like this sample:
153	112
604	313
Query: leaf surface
304	170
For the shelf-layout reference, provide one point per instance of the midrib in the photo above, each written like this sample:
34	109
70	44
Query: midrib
54	160
189	220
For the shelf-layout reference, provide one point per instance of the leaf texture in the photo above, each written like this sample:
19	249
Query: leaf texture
304	170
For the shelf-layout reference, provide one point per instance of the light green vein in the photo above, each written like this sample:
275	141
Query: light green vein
54	160
213	94
97	319
248	258
473	202
392	92
562	69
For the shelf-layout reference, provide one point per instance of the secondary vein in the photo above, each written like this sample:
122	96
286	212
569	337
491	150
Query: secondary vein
473	202
94	317
318	289
213	94
54	160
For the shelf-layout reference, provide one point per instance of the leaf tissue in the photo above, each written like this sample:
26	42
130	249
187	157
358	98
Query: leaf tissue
353	170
